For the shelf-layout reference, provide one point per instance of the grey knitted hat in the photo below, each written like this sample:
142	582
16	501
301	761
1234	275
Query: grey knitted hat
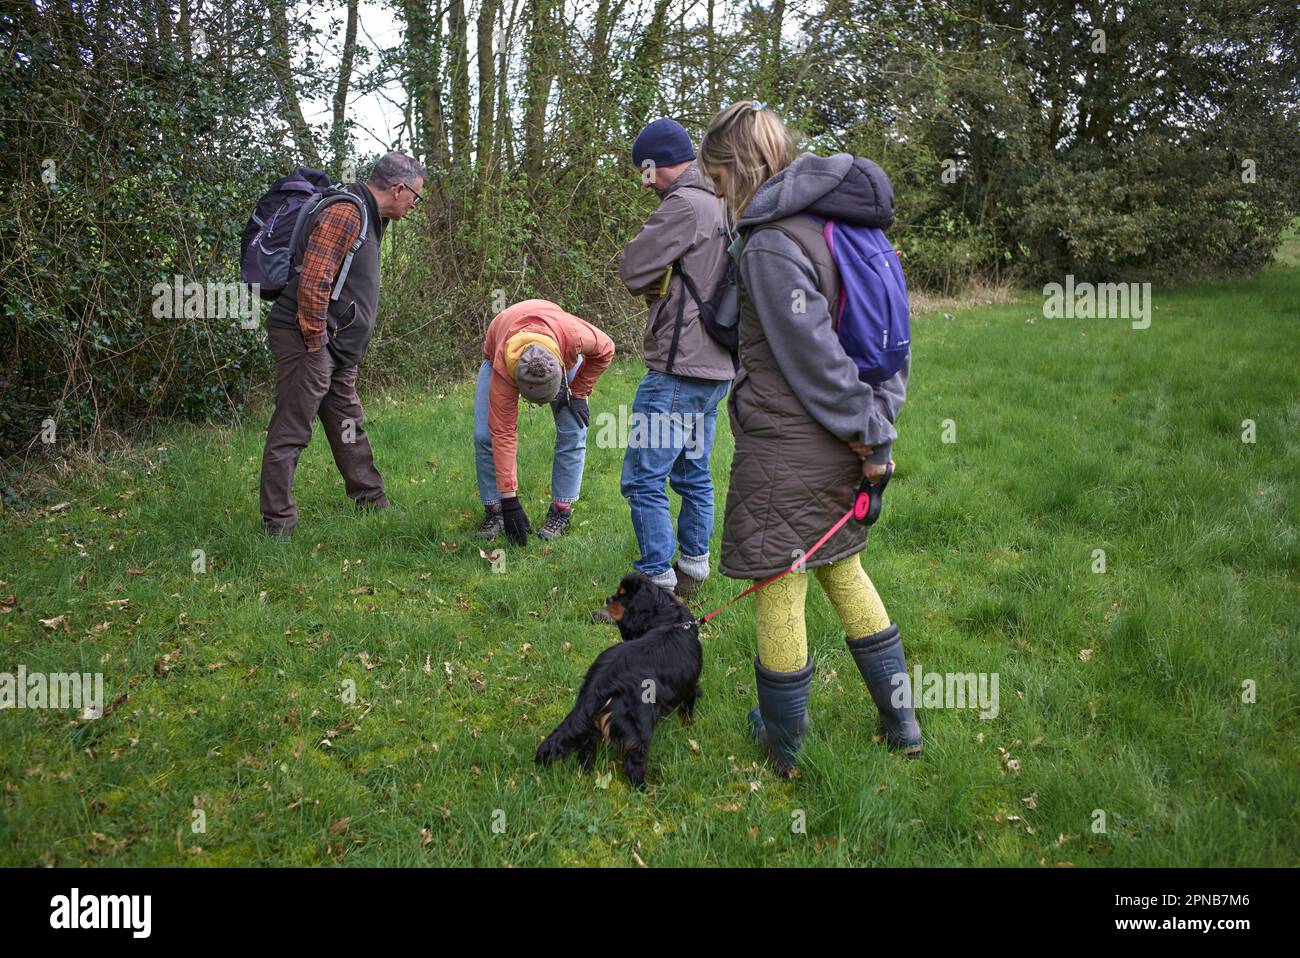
538	374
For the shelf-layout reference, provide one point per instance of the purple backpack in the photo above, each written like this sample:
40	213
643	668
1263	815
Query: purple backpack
872	315
275	232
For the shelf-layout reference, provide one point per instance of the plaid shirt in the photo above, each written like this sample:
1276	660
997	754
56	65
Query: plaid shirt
333	235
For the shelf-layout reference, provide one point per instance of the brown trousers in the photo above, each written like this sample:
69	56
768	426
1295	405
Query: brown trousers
308	385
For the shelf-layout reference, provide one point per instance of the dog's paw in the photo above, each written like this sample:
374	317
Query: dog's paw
549	752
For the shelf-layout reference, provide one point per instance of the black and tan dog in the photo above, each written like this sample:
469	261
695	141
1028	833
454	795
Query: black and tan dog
654	670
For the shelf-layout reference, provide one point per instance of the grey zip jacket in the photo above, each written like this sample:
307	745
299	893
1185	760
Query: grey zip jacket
687	224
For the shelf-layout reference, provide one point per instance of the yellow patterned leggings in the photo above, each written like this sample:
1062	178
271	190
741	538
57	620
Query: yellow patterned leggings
782	636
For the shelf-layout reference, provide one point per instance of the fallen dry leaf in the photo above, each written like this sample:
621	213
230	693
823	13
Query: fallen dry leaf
1085	655
162	664
56	622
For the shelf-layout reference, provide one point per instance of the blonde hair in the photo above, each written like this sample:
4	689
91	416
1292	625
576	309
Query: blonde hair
752	145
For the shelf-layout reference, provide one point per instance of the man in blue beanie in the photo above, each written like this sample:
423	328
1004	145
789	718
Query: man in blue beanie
688	371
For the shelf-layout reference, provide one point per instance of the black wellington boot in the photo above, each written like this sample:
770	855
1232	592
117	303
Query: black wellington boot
880	660
781	719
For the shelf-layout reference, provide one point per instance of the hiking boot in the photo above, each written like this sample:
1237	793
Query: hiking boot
686	583
781	719
276	532
557	520
880	659
493	525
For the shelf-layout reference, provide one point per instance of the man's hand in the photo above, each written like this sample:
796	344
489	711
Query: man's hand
516	521
581	411
578	407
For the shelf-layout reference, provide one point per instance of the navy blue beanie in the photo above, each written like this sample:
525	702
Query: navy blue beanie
664	141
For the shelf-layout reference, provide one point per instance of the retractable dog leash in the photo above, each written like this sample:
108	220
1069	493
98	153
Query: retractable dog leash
865	510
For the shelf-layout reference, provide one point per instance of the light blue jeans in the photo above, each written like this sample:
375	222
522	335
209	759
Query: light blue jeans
681	417
570	447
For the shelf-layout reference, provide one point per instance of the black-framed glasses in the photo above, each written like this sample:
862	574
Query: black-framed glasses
417	196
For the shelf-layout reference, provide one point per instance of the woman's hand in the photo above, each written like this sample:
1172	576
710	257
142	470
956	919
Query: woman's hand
875	471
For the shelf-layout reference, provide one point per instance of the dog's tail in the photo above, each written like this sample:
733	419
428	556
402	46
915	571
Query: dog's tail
578	726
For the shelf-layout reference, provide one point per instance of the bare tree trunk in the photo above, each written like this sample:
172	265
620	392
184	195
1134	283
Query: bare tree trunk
338	132
184	30
769	79
711	58
458	66
505	128
423	36
280	62
484	137
164	15
539	75
644	68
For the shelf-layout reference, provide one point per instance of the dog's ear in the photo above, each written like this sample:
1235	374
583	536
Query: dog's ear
644	605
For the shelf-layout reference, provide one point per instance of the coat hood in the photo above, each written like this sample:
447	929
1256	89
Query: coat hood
843	187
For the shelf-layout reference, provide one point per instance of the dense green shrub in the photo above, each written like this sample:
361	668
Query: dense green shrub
1020	148
122	173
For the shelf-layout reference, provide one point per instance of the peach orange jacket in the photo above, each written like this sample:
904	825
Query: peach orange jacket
573	337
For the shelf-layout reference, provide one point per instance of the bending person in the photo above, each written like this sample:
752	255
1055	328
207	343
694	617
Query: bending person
536	350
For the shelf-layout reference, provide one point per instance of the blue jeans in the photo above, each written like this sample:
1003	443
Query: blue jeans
680	417
570	447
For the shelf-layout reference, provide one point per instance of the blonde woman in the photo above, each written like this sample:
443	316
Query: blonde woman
807	430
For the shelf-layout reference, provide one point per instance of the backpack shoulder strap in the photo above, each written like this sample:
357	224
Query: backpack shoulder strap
356	245
317	203
805	231
689	283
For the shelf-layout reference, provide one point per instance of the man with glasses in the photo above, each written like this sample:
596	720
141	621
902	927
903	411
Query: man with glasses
318	329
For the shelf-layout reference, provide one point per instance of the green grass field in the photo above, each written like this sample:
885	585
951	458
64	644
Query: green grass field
1120	691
